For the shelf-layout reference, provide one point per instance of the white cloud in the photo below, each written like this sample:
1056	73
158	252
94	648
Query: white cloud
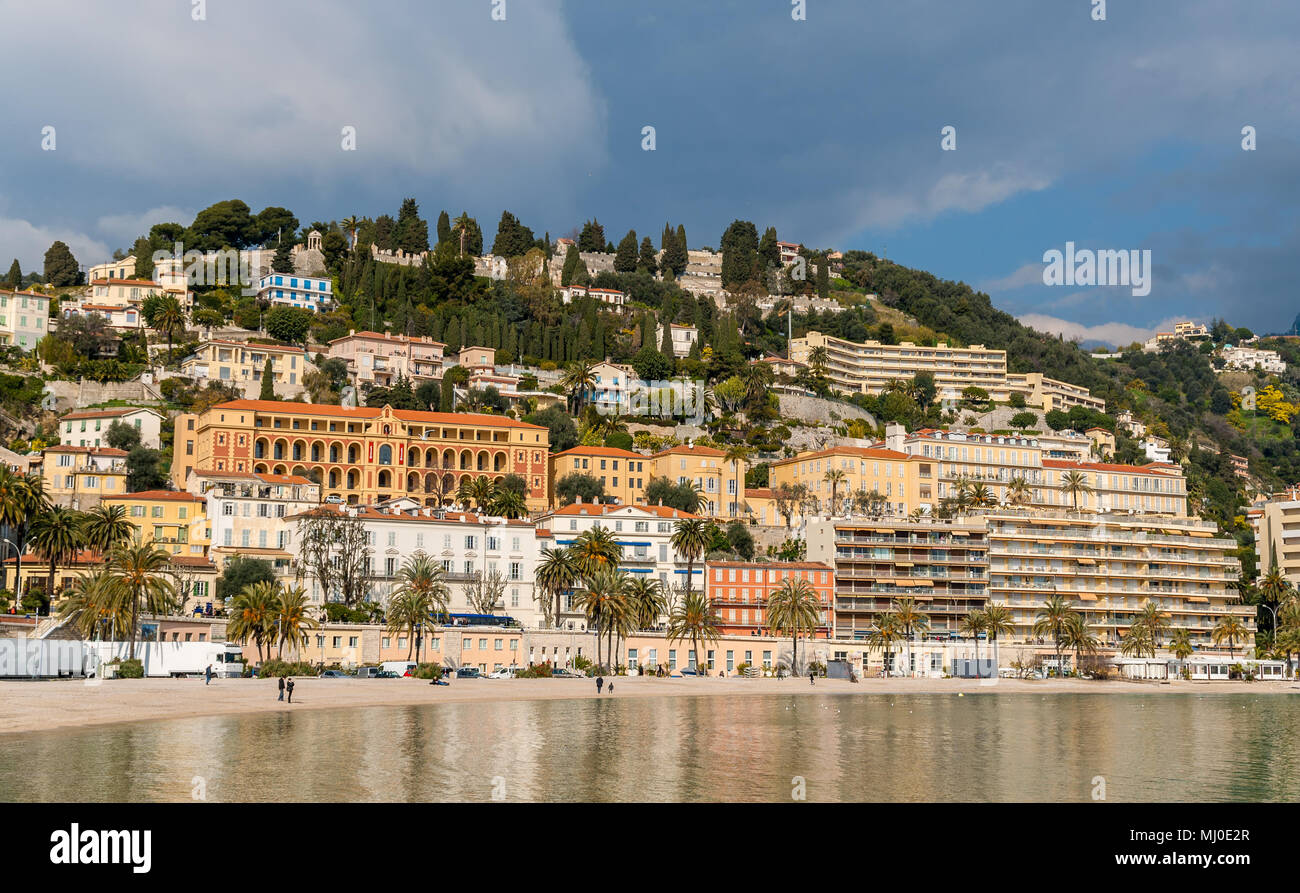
124	229
1115	333
28	243
968	193
1029	274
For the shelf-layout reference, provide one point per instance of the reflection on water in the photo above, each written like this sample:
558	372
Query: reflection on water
846	747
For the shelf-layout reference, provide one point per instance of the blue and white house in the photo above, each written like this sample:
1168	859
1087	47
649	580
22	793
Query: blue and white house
293	290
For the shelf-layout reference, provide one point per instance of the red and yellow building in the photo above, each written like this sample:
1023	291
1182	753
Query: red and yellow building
739	591
363	454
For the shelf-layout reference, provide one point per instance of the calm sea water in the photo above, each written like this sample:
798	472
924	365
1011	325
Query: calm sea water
845	748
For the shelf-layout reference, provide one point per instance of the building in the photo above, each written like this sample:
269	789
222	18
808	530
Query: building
242	364
477	360
1249	358
942	566
761	508
1156	448
683	338
471	548
613	387
113	269
1183	331
380	359
1277	535
80	477
24	318
88	427
611	296
869	367
171	519
1109	566
718	481
246	513
781	366
740	590
789	252
1050	394
623	473
645	533
294	290
363	454
889	479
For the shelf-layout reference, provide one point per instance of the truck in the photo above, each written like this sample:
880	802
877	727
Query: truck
400	667
47	658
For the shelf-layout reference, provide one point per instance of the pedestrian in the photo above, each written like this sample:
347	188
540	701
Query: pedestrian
281	698
207	675
600	683
290	686
812	679
611	686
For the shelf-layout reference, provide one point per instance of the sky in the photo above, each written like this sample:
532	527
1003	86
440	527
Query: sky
1115	134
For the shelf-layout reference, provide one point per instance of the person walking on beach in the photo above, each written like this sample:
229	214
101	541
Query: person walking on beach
207	675
290	687
281	698
611	686
600	683
812	678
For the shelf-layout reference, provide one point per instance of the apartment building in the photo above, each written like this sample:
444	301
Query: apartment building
611	296
78	477
683	337
720	483
246	513
623	473
645	533
113	269
867	471
470	548
380	359
739	592
172	520
1277	535
364	454
477	360
613	387
23	318
88	427
1048	394
867	368
1109	565
1248	358
242	365
942	566
293	290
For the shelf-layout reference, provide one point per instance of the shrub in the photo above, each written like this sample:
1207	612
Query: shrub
130	669
537	671
427	671
287	668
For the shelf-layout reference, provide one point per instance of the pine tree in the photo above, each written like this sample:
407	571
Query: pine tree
268	382
412	232
15	278
647	259
592	237
283	260
625	257
60	266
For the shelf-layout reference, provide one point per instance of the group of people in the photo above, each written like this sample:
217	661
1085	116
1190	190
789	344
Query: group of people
600	683
286	685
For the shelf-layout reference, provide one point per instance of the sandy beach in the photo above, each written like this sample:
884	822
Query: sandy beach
36	706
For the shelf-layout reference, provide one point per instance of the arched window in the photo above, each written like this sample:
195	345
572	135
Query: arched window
385	455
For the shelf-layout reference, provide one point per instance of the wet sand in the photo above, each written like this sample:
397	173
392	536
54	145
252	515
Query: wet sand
41	705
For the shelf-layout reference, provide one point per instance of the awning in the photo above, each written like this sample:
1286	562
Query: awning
1197	598
1087	596
916	582
903	564
960	532
1084	561
1201	533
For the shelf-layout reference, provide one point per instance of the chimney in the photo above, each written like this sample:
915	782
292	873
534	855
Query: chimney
578	500
894	436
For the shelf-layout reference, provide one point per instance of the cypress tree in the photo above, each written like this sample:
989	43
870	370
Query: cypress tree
15	278
625	258
823	279
666	344
571	261
268	382
647	260
444	227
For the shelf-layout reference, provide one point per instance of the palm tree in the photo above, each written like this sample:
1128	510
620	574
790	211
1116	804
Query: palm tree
57	534
596	548
1052	620
420	591
462	224
818	358
252	614
167	318
350	224
507	503
998	621
1154	622
292	620
912	620
973	624
1137	643
98	605
606	425
477	491
604	602
737	455
691	539
885	631
106	527
578	379
1019	492
981	496
647	599
693	618
142	572
1075	483
1078	638
557	572
834	477
794	608
1229	628
22	500
1180	644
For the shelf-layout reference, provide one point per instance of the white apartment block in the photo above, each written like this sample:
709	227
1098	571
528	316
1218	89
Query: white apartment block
869	367
684	337
23	319
247	514
611	296
1248	358
88	427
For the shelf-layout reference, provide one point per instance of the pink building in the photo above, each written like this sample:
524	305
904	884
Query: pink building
379	359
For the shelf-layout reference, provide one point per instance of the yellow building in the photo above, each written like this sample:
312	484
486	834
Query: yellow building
869	367
174	520
892	474
1048	394
719	482
80	477
1277	534
242	364
624	473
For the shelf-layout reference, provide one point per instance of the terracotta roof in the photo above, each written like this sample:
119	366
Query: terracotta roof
863	452
602	451
759	493
253	476
157	496
798	565
106	413
372	412
193	561
382	336
590	508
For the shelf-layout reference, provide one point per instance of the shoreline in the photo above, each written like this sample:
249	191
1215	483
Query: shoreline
41	706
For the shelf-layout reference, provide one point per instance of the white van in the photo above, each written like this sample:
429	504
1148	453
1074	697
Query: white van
400	667
509	672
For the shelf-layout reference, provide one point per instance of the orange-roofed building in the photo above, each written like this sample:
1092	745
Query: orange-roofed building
79	477
739	592
364	454
623	473
720	482
863	472
174	520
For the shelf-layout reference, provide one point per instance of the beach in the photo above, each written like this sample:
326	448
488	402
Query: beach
30	706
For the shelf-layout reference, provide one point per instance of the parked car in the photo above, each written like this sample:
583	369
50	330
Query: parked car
505	673
334	499
467	673
333	674
369	672
566	673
